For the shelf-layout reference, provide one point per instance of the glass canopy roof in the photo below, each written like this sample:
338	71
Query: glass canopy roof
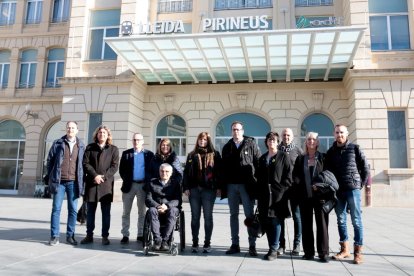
277	55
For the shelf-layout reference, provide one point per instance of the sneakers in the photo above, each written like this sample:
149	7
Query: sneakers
54	241
296	250
87	240
105	241
164	246
252	251
71	240
270	256
125	240
157	245
194	248
234	249
206	248
280	251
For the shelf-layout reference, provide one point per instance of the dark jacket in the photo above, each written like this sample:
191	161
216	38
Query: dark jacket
126	168
157	194
54	163
240	164
326	185
172	159
210	176
99	161
302	180
349	165
274	179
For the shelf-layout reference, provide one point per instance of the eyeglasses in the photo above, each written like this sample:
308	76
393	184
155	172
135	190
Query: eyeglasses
237	129
137	140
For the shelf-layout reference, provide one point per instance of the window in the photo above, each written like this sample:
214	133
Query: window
388	22
254	126
28	68
321	124
168	6
4	68
7	12
34	11
55	66
103	24
312	3
12	144
241	4
95	120
397	139
60	11
173	127
56	131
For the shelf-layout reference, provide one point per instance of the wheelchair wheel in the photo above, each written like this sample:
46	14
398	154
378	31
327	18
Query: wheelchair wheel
173	249
147	235
182	231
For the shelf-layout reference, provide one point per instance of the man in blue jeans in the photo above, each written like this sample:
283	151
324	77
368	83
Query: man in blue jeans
240	158
350	167
65	176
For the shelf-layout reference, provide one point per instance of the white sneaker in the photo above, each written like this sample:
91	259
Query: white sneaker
54	241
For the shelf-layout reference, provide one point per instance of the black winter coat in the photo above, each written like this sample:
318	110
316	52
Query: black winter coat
274	179
158	194
240	164
349	165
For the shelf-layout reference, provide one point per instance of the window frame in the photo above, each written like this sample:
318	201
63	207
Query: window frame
55	74
35	20
10	20
2	75
63	11
391	149
103	43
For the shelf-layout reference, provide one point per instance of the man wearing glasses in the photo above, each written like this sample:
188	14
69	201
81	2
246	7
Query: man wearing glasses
134	171
240	157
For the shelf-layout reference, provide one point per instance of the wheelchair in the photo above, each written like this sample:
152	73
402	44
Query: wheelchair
174	248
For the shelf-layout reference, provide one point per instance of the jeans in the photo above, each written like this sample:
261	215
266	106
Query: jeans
201	197
128	199
106	218
272	228
72	199
168	222
352	200
235	193
297	225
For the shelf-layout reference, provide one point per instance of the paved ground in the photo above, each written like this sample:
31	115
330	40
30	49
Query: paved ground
24	249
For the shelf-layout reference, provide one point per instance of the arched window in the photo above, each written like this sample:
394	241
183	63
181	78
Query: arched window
173	127
12	144
4	68
321	124
56	131
254	126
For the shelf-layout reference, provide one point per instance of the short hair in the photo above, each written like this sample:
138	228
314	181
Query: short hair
166	165
166	140
210	146
76	123
272	135
309	134
95	134
236	122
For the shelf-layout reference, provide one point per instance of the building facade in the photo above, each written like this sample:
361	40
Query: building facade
176	68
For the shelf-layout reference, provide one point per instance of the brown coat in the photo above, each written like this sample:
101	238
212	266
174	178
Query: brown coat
97	161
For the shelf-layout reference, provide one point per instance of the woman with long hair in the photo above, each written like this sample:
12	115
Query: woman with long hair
201	180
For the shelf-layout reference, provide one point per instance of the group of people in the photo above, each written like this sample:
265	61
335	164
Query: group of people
287	181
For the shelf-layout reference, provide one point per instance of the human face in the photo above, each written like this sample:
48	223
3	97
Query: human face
287	136
71	130
102	136
271	144
312	143
341	135
137	141
165	147
202	142
165	173
237	132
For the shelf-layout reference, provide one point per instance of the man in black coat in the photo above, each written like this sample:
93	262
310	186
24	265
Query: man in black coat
350	167
134	171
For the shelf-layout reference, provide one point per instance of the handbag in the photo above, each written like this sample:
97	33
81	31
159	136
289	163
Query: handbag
328	206
254	226
81	216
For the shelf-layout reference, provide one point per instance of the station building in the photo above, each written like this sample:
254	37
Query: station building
176	68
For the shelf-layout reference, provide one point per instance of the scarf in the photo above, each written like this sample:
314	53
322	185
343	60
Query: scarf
204	158
287	148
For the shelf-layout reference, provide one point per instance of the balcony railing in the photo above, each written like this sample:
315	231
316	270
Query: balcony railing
175	6
242	4
311	3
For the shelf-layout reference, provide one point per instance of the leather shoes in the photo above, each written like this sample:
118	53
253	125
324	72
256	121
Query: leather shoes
164	246
252	251
234	248
87	239
140	239
157	245
324	258
105	241
125	240
308	257
71	240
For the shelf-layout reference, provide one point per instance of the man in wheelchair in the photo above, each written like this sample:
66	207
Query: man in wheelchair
163	200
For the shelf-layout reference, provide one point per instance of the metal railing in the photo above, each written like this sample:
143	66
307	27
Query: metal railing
242	4
311	3
175	6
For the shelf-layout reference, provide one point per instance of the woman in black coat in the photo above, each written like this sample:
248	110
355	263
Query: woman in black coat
305	173
274	179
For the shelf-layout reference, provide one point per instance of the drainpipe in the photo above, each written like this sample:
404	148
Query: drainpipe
368	190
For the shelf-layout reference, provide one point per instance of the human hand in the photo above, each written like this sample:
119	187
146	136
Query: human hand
99	179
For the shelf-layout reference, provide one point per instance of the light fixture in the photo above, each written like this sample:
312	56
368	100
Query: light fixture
30	113
126	28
